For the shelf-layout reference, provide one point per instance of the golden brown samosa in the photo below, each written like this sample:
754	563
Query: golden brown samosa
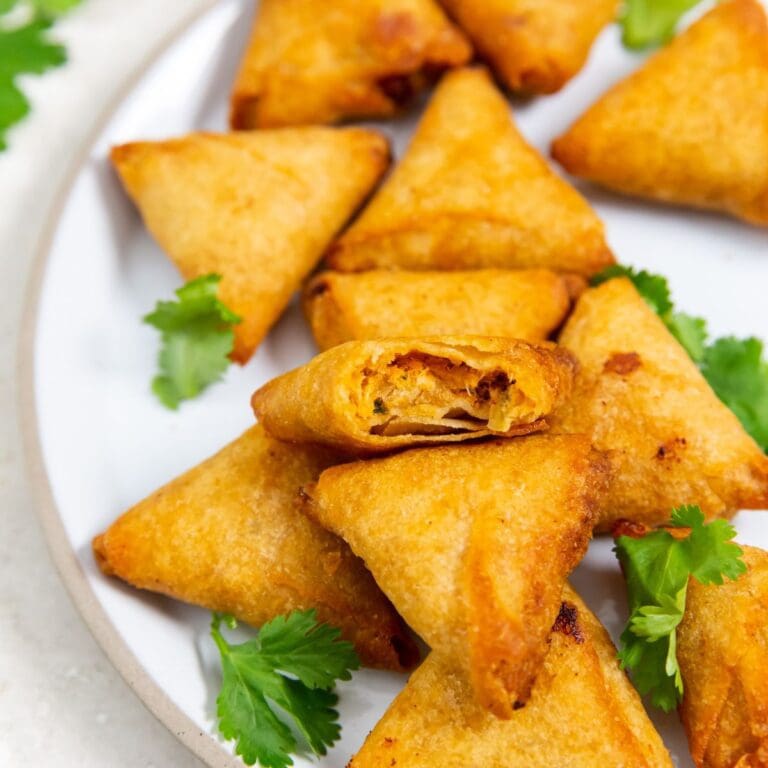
229	536
310	63
472	544
642	399
257	208
534	46
583	713
367	397
722	649
691	126
516	304
470	193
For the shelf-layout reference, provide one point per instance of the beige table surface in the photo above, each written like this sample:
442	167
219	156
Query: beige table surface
61	703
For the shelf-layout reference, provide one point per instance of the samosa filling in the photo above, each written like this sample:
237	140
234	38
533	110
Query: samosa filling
421	394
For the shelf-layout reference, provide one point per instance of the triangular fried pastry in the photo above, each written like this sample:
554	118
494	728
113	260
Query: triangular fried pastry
257	208
516	304
473	545
583	713
640	398
534	46
229	536
691	126
365	397
471	193
309	64
722	649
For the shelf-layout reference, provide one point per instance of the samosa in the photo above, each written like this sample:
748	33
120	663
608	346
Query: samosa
691	126
257	208
472	544
310	63
228	535
534	46
366	397
722	649
583	713
516	304
640	398
471	193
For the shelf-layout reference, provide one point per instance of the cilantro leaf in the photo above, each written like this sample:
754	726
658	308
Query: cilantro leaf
197	339
254	674
657	568
651	22
738	373
690	331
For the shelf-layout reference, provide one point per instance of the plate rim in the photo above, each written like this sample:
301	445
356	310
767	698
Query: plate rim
202	744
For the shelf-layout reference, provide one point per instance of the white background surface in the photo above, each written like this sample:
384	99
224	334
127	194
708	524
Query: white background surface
61	702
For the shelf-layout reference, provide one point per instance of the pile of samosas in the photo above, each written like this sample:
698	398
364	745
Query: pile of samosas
441	464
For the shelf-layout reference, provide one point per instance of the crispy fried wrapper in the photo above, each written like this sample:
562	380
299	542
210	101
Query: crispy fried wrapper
691	126
257	208
374	396
583	713
473	545
524	304
470	193
642	399
722	649
310	64
534	46
228	535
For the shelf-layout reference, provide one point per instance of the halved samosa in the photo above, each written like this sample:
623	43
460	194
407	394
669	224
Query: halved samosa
473	545
470	193
320	63
534	46
722	648
228	535
583	713
257	208
691	126
375	396
642	399
524	304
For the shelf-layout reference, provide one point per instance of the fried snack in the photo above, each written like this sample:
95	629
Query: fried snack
583	713
228	535
374	396
534	46
641	398
381	304
308	64
258	208
722	649
473	545
470	193
691	127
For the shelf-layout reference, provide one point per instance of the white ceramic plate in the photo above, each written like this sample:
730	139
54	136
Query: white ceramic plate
103	441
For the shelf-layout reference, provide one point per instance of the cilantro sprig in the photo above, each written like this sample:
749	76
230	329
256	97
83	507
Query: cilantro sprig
734	368
197	338
657	568
646	23
290	669
25	49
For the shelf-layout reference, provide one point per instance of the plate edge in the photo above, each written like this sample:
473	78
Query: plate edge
202	744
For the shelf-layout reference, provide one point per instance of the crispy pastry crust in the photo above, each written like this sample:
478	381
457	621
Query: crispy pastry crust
448	534
227	535
257	208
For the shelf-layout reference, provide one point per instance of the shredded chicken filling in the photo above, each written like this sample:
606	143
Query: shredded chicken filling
421	394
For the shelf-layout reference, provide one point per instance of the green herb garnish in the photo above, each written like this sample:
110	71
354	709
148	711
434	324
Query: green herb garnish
734	368
646	23
657	567
197	338
378	406
290	669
